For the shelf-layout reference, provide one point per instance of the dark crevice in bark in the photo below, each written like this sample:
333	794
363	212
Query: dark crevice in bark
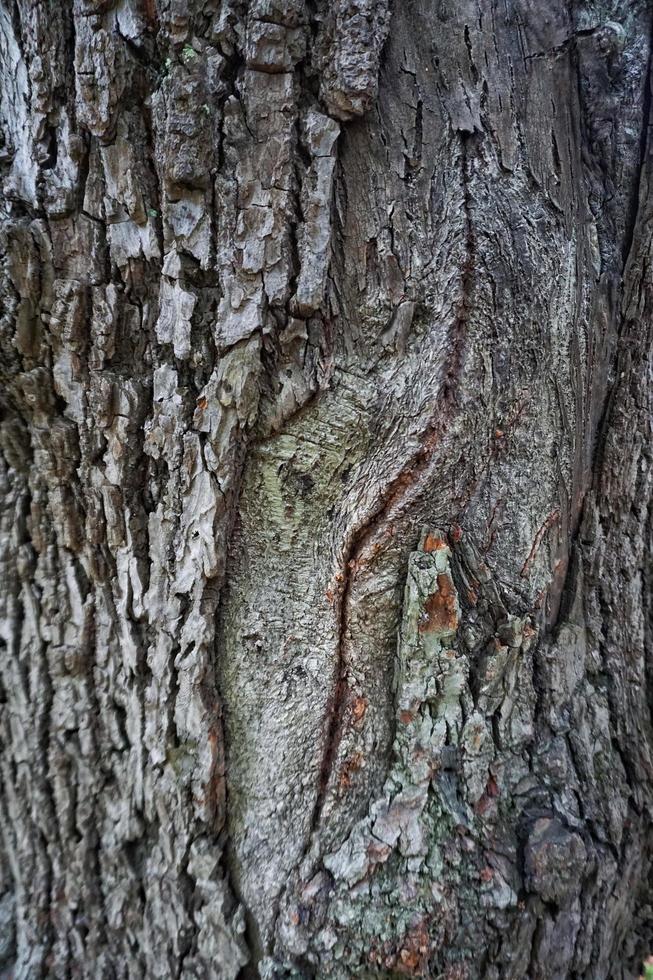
567	43
47	779
604	422
647	606
458	330
336	703
252	934
631	224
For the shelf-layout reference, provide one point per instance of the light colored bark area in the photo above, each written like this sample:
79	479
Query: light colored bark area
326	479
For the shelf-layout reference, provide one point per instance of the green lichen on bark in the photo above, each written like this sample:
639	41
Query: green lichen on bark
401	884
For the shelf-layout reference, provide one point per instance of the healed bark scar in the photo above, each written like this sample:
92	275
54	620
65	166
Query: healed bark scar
363	545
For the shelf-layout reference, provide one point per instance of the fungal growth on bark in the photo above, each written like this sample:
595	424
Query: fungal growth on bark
325	489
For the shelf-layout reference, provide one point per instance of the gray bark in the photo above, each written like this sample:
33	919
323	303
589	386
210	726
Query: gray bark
326	488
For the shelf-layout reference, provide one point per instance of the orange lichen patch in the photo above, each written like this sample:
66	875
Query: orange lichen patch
355	564
406	717
202	403
358	710
414	953
434	542
380	544
440	609
350	767
408	956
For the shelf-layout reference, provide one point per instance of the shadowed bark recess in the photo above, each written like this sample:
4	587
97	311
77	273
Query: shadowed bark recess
325	489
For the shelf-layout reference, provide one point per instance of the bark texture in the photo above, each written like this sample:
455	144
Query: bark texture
325	336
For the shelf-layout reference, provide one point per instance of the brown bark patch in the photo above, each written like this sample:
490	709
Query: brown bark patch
408	956
349	769
434	542
440	609
150	12
358	711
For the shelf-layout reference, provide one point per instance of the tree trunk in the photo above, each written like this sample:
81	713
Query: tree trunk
326	489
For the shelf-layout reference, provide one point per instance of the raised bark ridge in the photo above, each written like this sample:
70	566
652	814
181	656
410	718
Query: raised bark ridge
278	293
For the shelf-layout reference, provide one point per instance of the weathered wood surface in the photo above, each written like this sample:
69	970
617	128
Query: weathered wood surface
326	482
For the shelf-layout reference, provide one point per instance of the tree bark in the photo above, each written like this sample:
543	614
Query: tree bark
326	489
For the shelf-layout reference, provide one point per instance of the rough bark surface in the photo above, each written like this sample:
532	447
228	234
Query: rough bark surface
325	336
